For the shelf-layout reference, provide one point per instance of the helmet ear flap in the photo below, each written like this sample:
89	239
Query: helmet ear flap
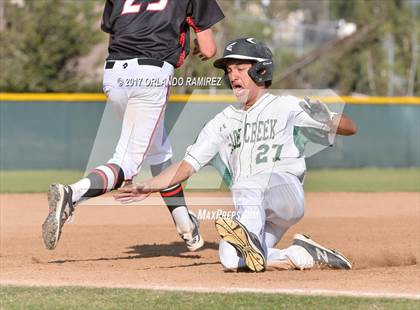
261	72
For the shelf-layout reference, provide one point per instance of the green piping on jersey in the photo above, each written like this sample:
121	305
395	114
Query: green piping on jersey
302	135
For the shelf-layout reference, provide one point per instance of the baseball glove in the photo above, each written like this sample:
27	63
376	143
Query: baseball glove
317	110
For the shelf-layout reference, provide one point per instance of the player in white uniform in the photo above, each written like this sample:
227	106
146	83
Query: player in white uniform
261	144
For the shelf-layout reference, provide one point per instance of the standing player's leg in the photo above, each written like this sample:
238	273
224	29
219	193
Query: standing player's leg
144	109
186	223
62	199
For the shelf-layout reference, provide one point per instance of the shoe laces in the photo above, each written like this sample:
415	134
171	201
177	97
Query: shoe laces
68	216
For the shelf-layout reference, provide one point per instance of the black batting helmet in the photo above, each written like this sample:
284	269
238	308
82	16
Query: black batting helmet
252	50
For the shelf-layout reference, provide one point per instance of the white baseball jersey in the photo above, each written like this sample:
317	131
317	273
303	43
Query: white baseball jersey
267	138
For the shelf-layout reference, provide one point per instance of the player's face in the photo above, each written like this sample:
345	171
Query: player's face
244	88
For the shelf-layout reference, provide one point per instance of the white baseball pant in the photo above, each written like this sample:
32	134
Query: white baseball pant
268	205
142	105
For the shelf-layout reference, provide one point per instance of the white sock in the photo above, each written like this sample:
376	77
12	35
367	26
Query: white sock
79	189
182	220
297	255
300	257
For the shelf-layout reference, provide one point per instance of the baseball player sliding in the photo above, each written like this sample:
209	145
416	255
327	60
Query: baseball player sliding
261	144
148	39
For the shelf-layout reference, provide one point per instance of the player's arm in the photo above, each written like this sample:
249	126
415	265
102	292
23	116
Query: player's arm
343	125
106	24
204	15
205	47
197	156
174	174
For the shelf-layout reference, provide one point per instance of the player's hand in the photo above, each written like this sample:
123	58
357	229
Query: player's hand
133	192
317	110
197	51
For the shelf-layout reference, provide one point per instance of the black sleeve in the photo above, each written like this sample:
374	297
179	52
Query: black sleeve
106	17
205	13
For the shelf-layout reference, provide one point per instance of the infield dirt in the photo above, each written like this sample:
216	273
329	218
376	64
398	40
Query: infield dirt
137	246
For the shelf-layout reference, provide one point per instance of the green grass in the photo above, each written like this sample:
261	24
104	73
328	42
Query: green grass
363	180
331	180
29	181
101	298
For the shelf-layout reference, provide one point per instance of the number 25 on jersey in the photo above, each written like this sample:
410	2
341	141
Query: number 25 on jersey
131	8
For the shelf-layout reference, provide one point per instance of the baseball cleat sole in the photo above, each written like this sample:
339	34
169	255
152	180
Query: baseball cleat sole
322	255
233	232
51	229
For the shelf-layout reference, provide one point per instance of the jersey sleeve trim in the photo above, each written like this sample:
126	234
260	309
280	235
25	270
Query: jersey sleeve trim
190	21
193	162
181	57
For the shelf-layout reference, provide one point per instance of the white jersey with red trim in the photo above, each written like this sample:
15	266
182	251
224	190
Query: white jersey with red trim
267	138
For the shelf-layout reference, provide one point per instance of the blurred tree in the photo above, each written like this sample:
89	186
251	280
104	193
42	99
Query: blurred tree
384	62
243	19
237	23
40	42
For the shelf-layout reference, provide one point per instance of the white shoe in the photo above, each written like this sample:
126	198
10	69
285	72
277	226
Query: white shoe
193	240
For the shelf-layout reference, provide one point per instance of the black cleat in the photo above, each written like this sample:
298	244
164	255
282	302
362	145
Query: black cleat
60	209
322	256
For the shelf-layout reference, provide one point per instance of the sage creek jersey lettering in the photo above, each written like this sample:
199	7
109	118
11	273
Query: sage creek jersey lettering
264	139
156	29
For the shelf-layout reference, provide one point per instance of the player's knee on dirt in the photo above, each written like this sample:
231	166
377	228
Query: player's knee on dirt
228	256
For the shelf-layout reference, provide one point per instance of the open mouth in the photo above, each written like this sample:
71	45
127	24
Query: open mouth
236	85
238	89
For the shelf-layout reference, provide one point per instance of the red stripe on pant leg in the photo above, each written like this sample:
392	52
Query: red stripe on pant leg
171	193
104	178
154	129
